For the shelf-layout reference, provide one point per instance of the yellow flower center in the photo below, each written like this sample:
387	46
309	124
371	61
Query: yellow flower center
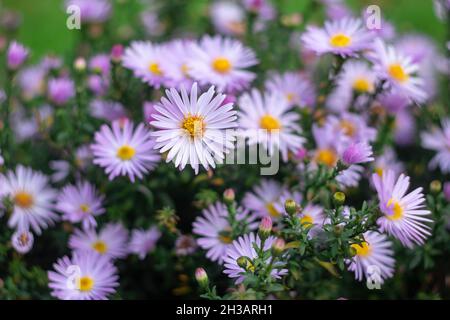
327	157
397	210
85	208
185	69
307	219
154	68
272	211
362	85
398	73
222	65
85	283
348	128
100	246
269	123
194	126
379	171
126	153
340	40
290	97
363	249
23	238
23	200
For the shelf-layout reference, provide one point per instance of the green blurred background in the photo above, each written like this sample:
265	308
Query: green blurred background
44	21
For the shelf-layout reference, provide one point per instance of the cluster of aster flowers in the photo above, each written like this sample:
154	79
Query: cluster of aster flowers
153	122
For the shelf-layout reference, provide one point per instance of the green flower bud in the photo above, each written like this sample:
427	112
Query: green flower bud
435	186
291	207
339	198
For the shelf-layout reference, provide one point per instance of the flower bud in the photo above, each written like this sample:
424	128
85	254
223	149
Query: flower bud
291	207
229	196
116	53
201	277
265	228
80	64
278	247
435	186
339	198
16	55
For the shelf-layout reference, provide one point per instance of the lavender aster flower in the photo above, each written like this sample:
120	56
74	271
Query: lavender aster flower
92	11
143	241
243	247
60	90
357	153
121	150
263	198
111	241
22	241
80	203
296	89
403	213
85	276
16	55
439	140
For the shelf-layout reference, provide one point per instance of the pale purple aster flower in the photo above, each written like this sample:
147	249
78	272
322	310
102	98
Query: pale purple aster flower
148	110
356	78
16	55
222	62
100	63
439	140
92	11
345	37
178	54
215	232
107	110
295	88
152	25
83	156
32	199
80	203
350	177
374	258
185	245
22	241
398	70
195	130
388	161
98	84
268	121
385	30
263	198
336	9
360	152
312	215
147	61
86	276
111	240
123	151
394	102
350	127
403	213
227	17
329	145
60	90
143	241
243	247
31	82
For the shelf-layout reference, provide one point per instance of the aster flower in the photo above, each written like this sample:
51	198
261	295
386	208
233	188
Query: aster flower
194	129
439	140
16	55
296	89
31	81
405	128
243	247
80	203
312	216
185	245
92	11
350	127
374	258
32	199
107	110
143	241
121	150
403	213
61	170
111	241
345	37
357	153
100	63
22	241
60	90
398	70
151	22
85	276
214	229
263	198
356	78
227	17
266	120
388	161
147	61
178	54
222	62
